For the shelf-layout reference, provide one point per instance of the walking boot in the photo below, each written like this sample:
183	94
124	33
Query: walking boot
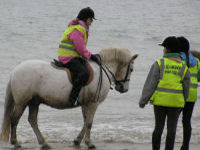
73	97
184	148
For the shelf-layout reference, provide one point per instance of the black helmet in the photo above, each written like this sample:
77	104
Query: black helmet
184	44
86	13
171	43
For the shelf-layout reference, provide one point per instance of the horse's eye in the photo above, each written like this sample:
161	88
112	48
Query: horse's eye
131	70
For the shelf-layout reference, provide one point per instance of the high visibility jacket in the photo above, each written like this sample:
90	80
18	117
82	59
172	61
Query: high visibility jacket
193	82
169	91
66	46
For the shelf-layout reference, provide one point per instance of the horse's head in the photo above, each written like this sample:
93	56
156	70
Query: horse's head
119	63
123	74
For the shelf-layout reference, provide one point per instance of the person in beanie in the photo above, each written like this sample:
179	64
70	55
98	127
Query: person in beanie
72	52
167	88
194	67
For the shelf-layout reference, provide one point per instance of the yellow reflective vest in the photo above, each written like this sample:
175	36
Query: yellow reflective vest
169	91
66	46
193	82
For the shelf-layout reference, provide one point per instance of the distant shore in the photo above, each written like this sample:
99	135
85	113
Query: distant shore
99	146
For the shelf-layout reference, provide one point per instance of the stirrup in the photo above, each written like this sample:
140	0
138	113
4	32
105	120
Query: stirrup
76	103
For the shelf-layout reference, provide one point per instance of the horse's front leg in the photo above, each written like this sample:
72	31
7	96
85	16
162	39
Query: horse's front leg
80	136
91	109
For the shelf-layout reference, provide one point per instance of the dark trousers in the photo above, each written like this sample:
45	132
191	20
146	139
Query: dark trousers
186	121
172	115
79	70
80	75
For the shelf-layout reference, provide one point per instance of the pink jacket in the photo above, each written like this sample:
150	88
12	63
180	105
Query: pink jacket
78	39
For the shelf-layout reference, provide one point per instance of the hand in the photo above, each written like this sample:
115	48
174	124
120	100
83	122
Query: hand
95	58
141	105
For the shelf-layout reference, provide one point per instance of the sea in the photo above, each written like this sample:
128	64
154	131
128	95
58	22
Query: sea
32	29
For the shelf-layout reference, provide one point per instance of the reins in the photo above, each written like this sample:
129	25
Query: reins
100	80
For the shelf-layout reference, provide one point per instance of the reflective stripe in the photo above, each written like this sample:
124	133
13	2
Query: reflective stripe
181	72
67	42
66	47
193	75
193	85
162	69
169	90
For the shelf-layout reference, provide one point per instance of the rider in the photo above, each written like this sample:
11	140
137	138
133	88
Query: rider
73	53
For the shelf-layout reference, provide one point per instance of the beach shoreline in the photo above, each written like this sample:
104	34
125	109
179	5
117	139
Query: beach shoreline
99	146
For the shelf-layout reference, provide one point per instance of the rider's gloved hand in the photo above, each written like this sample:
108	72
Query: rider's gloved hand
95	58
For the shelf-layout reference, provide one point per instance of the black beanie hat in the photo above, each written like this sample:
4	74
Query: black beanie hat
86	13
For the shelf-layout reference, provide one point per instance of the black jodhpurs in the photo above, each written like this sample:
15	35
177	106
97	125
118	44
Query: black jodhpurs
186	121
79	70
172	115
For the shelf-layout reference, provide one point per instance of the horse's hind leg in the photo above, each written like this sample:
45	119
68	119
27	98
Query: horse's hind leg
15	116
32	118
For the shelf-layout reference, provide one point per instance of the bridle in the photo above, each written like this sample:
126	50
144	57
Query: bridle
118	82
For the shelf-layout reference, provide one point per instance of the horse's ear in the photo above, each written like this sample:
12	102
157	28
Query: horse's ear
134	57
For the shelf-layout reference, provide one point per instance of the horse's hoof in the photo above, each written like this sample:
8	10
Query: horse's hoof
17	146
92	146
76	142
45	147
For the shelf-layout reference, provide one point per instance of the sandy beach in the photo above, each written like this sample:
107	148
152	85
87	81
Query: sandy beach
99	146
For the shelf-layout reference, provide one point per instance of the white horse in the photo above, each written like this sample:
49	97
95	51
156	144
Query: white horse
34	82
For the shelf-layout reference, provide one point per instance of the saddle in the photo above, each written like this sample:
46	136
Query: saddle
58	65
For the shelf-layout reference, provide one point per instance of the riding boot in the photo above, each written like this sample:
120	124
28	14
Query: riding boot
74	95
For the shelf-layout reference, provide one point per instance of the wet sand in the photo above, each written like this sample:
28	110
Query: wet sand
99	146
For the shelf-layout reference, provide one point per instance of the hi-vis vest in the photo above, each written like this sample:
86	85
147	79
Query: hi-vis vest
169	91
66	46
193	82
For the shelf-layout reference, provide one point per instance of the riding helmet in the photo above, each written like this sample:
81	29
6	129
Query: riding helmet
184	44
86	13
171	43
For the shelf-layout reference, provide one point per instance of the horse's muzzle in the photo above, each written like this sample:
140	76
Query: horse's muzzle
121	89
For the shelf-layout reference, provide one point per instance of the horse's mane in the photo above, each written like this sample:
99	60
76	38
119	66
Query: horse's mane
122	55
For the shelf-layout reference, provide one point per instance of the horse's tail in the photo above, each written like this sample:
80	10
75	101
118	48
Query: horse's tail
8	108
